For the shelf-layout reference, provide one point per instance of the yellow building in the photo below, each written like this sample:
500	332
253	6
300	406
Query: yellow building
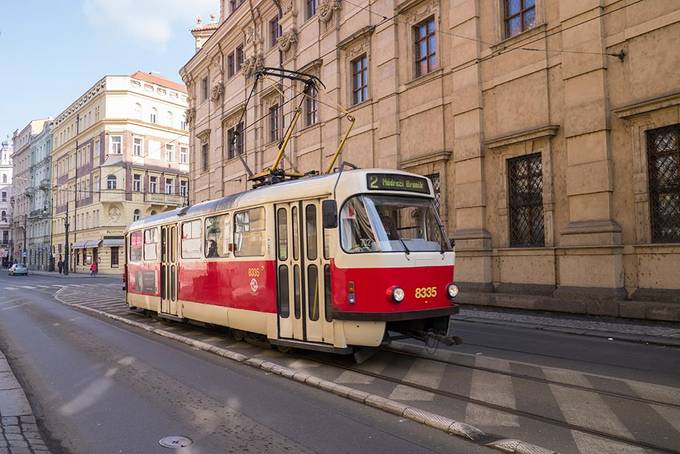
120	153
551	128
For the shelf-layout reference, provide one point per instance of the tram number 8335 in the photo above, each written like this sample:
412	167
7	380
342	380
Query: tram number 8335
426	292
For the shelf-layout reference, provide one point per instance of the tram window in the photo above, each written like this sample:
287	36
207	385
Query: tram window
310	230
327	297
296	290
136	246
284	307
150	242
313	292
296	233
282	233
216	238
191	240
249	233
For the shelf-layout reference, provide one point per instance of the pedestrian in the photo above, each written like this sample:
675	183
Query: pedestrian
60	266
93	269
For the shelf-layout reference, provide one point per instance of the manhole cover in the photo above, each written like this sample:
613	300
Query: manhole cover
175	442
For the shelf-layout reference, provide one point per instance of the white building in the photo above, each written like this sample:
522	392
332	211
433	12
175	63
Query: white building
5	198
39	191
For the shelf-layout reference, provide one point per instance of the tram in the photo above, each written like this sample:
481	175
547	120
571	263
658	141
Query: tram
329	262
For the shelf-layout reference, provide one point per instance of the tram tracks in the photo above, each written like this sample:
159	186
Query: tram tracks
541	380
458	396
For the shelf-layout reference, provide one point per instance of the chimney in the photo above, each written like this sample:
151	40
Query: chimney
201	32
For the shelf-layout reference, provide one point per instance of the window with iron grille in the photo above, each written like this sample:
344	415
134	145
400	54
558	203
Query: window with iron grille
663	150
425	34
274	123
231	69
525	191
436	185
235	147
240	57
520	15
311	108
360	79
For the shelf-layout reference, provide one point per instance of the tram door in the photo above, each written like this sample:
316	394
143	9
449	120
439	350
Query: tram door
169	269
301	267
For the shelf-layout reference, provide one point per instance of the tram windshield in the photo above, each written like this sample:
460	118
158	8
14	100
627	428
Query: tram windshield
385	223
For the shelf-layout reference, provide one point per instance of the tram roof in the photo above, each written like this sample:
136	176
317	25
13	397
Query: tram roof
288	190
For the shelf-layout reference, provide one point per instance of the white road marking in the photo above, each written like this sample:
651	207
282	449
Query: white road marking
422	372
492	388
587	444
28	287
10	288
672	415
587	409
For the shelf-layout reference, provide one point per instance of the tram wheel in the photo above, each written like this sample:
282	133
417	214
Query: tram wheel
238	335
284	349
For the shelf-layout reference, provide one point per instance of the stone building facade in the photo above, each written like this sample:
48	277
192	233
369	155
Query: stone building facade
6	194
21	182
39	233
120	153
551	129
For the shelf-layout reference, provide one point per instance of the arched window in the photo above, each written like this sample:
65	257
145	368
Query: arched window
111	182
4	178
135	215
154	115
3	216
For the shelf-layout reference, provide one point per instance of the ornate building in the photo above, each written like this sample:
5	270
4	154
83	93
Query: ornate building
21	182
120	153
6	194
39	238
551	128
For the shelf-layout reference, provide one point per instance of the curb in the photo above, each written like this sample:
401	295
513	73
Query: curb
622	337
442	423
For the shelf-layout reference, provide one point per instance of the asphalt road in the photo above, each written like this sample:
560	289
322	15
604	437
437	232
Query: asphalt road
97	387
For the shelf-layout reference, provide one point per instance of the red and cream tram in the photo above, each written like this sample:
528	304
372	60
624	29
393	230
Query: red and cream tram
328	262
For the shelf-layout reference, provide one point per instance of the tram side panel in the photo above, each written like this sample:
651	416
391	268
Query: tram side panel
240	294
143	285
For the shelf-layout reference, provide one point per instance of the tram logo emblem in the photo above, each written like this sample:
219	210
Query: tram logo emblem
253	285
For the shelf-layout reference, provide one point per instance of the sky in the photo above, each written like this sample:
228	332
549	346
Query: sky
52	51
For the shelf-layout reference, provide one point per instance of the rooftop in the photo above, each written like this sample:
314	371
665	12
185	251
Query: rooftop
158	80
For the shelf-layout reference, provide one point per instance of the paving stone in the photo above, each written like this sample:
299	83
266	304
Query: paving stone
13	402
29	427
27	419
9	420
8	381
12	430
14	437
21	450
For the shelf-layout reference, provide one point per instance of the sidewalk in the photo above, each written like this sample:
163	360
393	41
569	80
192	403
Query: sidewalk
18	430
72	275
640	331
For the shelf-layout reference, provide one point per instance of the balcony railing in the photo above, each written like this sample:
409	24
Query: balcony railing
164	199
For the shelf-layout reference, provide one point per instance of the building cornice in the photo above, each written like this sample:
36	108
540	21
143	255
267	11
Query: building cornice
648	105
522	136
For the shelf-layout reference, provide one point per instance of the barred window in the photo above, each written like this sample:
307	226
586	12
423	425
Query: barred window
525	190
360	79
235	141
311	108
663	148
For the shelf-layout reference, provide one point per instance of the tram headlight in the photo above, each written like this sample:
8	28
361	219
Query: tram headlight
452	290
397	294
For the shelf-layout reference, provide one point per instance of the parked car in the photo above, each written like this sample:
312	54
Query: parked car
17	269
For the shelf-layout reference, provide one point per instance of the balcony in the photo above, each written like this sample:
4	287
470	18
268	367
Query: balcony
164	199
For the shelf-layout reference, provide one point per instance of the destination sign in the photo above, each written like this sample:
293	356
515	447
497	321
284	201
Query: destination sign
396	182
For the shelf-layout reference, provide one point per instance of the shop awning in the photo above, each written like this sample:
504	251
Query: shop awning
113	242
85	244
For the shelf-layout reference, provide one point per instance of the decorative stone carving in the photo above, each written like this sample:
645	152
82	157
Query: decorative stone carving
252	64
326	9
190	115
216	92
287	40
287	6
114	213
216	63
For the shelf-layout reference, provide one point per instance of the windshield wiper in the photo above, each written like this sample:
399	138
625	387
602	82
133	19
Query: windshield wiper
407	251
